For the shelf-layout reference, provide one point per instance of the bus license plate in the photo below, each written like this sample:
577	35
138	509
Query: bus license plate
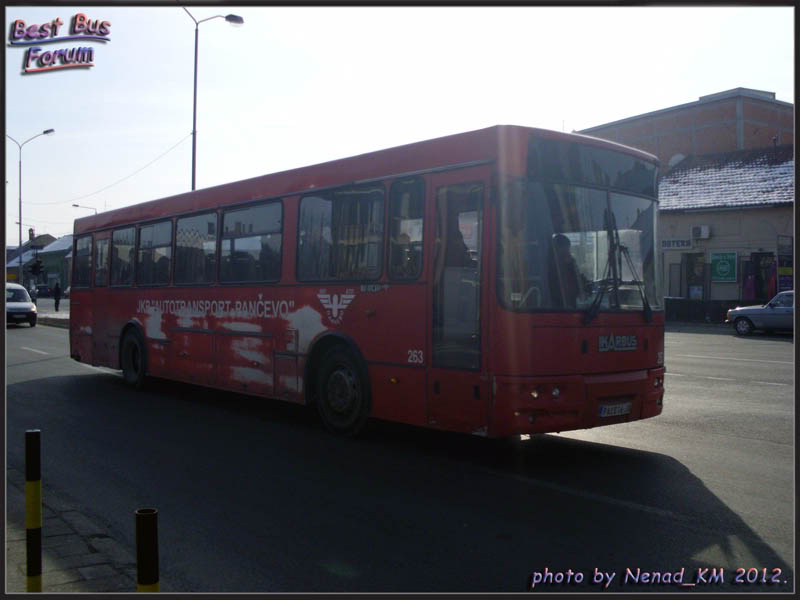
615	410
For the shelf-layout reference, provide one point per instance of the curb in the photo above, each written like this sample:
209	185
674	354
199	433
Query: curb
52	321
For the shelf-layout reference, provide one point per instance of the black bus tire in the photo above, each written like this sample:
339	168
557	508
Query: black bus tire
133	360
343	393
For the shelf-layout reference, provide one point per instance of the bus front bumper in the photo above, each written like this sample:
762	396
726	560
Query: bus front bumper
525	405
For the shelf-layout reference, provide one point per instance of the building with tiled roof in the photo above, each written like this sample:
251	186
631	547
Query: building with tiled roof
735	207
726	197
745	178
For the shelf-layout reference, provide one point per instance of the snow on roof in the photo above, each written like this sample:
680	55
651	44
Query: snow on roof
26	257
745	178
61	244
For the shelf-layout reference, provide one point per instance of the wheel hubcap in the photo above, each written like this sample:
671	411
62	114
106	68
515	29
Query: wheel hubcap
342	391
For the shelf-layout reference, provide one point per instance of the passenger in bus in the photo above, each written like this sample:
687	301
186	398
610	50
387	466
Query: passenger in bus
269	261
315	255
127	269
404	257
565	279
162	270
456	253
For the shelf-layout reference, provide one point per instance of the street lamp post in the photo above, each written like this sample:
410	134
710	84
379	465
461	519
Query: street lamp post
233	19
89	207
45	132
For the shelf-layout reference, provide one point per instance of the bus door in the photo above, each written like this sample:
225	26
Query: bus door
458	399
81	301
104	340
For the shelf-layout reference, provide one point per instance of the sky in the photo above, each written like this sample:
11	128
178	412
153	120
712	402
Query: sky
295	86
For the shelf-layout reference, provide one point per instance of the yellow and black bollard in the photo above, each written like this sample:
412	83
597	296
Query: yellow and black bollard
147	550
33	510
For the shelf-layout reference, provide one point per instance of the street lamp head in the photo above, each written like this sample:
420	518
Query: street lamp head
49	131
234	19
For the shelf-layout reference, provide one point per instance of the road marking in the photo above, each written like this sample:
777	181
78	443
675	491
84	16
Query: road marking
777	362
34	350
725	379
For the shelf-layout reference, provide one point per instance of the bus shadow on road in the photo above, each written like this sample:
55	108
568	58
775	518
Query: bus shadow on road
623	509
466	513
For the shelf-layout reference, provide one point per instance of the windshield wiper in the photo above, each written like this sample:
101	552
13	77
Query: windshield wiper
614	259
603	285
615	253
648	312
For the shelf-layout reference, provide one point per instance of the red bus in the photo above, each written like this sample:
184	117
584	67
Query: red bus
497	282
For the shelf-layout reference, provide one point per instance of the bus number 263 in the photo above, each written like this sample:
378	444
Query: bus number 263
415	357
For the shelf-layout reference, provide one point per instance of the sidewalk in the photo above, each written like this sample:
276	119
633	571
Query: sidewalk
77	555
52	318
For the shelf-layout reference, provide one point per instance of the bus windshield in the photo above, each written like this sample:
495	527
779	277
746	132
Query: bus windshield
574	248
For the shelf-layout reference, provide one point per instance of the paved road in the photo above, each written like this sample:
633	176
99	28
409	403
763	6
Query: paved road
256	496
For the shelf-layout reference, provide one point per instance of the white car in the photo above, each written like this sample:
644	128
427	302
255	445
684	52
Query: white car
19	307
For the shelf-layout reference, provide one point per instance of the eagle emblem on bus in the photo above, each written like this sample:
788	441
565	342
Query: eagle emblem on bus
335	304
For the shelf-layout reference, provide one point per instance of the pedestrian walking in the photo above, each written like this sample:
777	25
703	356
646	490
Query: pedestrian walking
57	294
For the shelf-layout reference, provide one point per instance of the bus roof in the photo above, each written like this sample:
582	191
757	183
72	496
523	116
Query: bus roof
477	146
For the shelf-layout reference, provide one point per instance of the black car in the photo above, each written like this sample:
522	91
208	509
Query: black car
43	290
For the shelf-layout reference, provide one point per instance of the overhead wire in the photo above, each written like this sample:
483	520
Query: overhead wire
116	182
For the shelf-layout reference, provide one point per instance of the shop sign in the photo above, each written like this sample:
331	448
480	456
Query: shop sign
676	244
723	267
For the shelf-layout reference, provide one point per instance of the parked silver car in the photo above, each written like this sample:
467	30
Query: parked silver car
778	313
19	307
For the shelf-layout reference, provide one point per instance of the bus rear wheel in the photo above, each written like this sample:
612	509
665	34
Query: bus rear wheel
132	359
343	395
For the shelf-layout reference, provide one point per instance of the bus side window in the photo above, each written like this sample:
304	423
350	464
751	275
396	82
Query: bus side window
314	243
101	263
122	253
196	249
405	228
340	234
155	253
83	262
251	243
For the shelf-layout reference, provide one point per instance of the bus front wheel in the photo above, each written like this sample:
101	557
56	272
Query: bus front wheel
133	361
343	397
